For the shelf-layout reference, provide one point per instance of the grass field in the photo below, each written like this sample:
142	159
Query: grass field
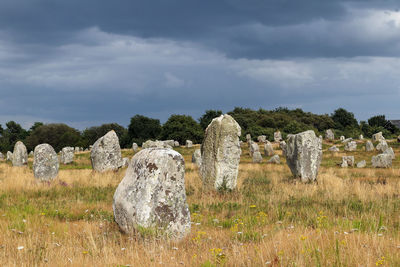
351	217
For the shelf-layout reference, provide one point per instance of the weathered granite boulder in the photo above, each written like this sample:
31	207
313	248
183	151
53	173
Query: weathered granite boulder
304	155
9	155
125	162
248	138
390	152
262	138
369	146
342	138
176	143
382	146
20	155
196	157
329	135
377	137
220	153
257	158
189	143
135	147
106	153
45	162
277	136
347	161
268	149
361	164
350	146
333	149
283	146
361	137
382	161
274	160
67	155
253	148
152	194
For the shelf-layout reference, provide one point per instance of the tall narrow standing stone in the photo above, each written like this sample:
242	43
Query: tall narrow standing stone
220	153
268	149
45	162
369	146
106	153
67	155
329	135
277	136
152	194
20	155
304	155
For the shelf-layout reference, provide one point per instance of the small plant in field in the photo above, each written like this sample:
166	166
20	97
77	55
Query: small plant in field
322	220
261	217
218	255
380	261
196	217
200	235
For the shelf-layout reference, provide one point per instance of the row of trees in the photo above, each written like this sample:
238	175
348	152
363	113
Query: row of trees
183	127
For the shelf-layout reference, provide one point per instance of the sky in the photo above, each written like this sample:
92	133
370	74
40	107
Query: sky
90	62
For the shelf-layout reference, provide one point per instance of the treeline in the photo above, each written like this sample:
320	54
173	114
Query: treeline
183	127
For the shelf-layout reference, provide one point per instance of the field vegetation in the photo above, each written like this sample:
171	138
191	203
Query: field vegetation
351	217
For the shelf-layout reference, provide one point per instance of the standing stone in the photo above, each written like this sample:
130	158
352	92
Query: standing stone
77	149
381	161
347	161
106	153
362	164
268	149
20	155
125	162
350	146
262	138
361	137
45	162
347	140
257	158
342	138
329	135
274	159
170	143
369	146
333	149
152	194
248	138
398	138
277	136
382	146
30	154
390	152
196	157
176	143
9	155
220	153
67	155
189	143
283	146
377	137
304	155
253	148
90	147
135	147
155	144
1	156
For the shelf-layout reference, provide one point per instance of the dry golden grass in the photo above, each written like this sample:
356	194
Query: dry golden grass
349	218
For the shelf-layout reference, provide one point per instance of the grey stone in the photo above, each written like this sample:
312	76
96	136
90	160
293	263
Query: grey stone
329	135
350	146
369	146
277	136
262	139
333	149
382	146
135	147
342	138
1	156
125	162
220	153
347	140
9	155
170	143
268	149
77	149
45	162
381	161
361	137
196	157
248	138
257	158
274	159
283	146
361	164
347	161
30	154
155	144
304	155
189	143
253	148
176	143
377	137
67	155
390	152
106	153
20	155
152	194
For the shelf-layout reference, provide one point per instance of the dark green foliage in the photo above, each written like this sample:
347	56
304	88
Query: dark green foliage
57	135
13	133
90	135
181	128
143	128
208	116
343	119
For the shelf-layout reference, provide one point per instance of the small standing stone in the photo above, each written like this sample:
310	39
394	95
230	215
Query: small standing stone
377	137
347	161
196	157
277	136
382	146
347	140
361	137
45	162
283	146
189	143
135	147
390	152
329	135
20	155
9	155
176	143
248	138
381	161
369	146
257	158
1	156
268	149
262	138
342	138
77	149
350	146
67	155
362	164
334	149
274	159
125	162
253	148
106	153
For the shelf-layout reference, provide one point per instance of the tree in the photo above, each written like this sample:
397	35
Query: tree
90	135
143	128
344	119
58	135
380	121
208	116
13	133
181	128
